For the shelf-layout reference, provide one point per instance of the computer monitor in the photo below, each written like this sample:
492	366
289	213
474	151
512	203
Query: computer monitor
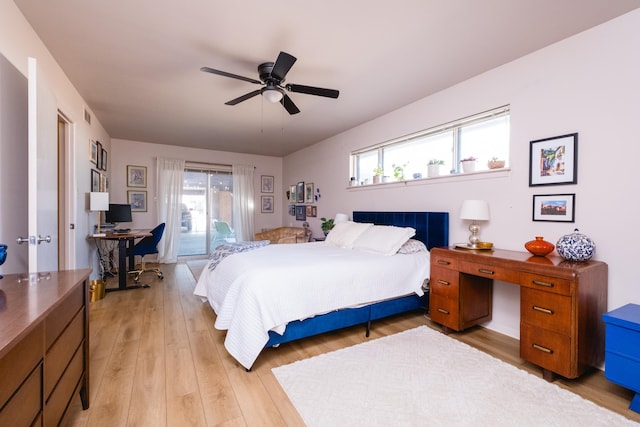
118	213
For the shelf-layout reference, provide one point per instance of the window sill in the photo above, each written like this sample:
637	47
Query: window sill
483	174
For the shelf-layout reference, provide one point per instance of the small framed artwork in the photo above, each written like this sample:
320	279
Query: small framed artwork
300	192
104	183
312	211
267	183
292	192
308	192
136	176
267	204
93	152
98	155
292	210
103	164
301	213
95	180
137	200
554	207
554	161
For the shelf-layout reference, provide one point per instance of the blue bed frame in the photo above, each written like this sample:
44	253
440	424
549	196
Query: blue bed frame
432	228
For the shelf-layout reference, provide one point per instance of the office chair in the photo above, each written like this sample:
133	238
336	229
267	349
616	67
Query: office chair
223	233
147	246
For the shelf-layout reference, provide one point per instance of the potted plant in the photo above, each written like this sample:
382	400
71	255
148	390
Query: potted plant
468	164
398	171
495	163
377	173
433	167
326	225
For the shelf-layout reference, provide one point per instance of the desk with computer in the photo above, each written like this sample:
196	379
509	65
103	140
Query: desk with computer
115	235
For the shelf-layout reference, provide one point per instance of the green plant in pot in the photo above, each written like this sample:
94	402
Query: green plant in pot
398	171
433	167
377	173
326	225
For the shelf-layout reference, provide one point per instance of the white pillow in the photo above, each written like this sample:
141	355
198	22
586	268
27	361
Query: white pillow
412	246
383	239
344	233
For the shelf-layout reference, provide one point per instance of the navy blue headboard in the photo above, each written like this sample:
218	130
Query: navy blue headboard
432	228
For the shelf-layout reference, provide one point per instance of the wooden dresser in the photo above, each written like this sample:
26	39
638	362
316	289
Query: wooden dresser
561	303
44	346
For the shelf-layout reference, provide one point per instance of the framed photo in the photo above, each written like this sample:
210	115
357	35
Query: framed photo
554	207
312	211
95	180
300	192
554	161
137	200
292	210
301	213
308	192
136	176
267	183
267	204
104	183
93	152
103	163
292	193
98	155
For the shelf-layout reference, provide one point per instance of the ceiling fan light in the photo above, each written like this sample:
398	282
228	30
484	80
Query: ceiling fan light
272	95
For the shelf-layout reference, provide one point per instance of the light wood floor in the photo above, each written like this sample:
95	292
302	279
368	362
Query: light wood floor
156	360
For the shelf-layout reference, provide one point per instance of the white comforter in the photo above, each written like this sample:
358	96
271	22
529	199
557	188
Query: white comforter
264	289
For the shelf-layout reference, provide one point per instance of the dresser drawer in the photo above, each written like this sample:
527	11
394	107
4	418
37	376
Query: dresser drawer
26	404
546	310
444	282
444	311
444	261
19	362
58	402
547	349
489	271
546	283
60	354
62	315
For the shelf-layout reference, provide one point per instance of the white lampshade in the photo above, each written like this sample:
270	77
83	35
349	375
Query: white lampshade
99	201
272	95
341	218
476	210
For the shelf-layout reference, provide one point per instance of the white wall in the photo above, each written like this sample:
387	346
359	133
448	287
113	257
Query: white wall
127	152
588	84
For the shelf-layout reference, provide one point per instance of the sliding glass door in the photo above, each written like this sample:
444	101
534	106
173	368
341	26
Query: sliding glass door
207	203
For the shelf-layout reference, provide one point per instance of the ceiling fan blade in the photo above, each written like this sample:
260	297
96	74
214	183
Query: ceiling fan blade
244	97
288	105
282	65
310	90
233	76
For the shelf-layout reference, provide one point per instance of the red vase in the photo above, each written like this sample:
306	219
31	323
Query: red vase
539	247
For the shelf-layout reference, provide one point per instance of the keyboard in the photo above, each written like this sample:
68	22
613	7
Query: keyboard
121	230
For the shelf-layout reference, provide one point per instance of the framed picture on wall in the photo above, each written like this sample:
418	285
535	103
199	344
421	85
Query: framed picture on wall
93	152
554	161
136	176
554	207
300	192
267	204
95	180
308	192
301	213
103	163
267	183
98	155
292	193
137	200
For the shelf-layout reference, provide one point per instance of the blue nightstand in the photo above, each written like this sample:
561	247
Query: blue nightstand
622	349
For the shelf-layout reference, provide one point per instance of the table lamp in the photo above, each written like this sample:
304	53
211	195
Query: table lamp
475	210
98	202
340	217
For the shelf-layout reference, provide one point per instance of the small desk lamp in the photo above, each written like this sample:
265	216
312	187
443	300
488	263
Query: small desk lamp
340	217
475	210
98	202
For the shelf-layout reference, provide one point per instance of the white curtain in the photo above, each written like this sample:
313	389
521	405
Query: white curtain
243	202
170	180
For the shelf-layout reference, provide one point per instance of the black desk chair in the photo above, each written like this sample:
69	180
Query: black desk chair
147	246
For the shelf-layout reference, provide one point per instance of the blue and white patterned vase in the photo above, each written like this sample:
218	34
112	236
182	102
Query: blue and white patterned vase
3	254
575	247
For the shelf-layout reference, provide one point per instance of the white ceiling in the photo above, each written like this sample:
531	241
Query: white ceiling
137	63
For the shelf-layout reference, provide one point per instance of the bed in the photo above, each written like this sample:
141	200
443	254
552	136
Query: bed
279	293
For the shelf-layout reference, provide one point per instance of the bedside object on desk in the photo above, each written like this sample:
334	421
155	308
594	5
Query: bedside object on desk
3	254
98	202
539	246
475	210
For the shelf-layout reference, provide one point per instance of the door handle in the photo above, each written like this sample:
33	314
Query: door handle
30	240
44	239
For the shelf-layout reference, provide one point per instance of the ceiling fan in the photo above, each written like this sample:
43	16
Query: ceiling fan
272	78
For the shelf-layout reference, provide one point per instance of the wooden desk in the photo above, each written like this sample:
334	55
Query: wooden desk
44	346
561	303
125	240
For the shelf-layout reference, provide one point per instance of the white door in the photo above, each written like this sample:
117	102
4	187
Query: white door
43	174
13	167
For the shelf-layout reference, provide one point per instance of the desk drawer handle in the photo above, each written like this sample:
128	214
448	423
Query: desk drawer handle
485	271
541	283
443	311
443	282
541	348
543	310
443	262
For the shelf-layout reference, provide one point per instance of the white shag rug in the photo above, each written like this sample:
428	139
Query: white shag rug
421	377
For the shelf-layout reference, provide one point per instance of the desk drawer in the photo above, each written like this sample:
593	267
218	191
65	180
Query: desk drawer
489	271
443	261
444	282
444	311
25	405
547	349
16	365
60	354
546	310
546	283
